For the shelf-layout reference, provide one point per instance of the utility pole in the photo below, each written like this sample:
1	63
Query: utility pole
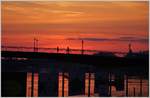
35	45
130	50
82	48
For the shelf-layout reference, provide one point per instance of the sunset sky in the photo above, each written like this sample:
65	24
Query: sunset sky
109	26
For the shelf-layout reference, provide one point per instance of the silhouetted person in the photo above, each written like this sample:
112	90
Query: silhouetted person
67	50
57	49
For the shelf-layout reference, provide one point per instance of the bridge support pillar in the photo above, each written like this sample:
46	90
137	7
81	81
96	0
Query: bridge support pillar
89	84
63	84
32	84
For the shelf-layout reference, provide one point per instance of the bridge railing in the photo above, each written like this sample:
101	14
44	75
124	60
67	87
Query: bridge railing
55	50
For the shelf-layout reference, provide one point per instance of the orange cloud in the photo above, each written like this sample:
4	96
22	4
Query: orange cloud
62	20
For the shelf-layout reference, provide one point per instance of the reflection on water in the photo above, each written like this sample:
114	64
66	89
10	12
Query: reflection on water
131	86
135	88
140	89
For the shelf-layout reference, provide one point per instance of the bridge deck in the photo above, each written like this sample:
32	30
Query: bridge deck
84	59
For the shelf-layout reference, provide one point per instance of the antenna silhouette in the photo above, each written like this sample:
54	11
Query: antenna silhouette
35	44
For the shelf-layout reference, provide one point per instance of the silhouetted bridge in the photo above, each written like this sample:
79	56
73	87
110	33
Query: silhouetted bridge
96	60
56	50
80	56
61	74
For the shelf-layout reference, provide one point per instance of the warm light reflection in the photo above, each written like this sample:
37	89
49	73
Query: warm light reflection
133	84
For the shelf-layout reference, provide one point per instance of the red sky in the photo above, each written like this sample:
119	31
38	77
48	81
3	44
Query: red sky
109	26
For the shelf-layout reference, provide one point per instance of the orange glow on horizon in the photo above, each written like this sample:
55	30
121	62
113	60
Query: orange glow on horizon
55	23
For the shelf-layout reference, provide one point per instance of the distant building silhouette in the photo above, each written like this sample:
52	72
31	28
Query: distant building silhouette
130	52
139	54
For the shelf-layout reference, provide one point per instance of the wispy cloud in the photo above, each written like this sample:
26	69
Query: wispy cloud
95	21
128	39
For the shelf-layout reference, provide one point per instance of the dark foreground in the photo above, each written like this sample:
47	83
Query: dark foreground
72	75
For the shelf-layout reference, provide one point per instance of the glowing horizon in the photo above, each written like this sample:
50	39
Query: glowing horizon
102	25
